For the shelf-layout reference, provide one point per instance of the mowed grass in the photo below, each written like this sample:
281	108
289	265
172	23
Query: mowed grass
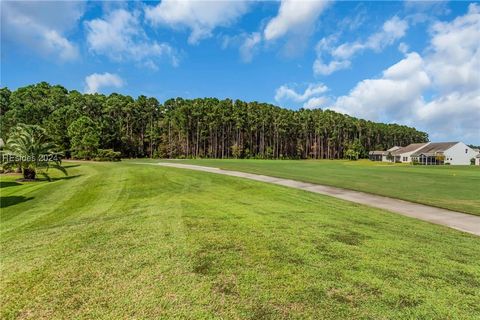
119	241
451	187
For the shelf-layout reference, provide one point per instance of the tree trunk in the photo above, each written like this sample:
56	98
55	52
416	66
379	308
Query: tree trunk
29	174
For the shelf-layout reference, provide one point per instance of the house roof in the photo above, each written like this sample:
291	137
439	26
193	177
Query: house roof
410	148
377	153
383	153
434	147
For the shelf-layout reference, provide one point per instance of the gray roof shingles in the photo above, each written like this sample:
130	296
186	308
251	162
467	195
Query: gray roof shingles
434	147
377	153
411	147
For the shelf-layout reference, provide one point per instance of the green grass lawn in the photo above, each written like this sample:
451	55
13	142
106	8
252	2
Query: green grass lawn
451	187
120	240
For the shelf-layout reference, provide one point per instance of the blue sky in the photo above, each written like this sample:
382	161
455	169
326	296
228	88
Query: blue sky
414	63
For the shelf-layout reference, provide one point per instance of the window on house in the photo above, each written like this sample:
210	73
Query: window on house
466	150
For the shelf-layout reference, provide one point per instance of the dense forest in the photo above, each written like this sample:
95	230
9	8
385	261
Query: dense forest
80	124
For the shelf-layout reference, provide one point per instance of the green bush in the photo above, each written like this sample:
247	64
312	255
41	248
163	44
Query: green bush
107	155
352	154
83	155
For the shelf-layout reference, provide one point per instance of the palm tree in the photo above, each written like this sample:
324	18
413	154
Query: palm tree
29	149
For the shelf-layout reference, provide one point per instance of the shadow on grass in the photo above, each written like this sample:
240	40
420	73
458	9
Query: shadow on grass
71	166
6	184
41	178
65	177
12	200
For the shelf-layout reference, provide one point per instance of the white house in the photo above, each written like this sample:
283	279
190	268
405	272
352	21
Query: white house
454	153
382	155
429	153
404	154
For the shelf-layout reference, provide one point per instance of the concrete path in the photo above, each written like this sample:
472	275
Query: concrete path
456	220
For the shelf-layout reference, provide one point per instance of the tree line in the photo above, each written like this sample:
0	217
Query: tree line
80	124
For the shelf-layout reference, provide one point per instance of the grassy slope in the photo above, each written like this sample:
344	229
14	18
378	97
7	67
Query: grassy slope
451	187
132	241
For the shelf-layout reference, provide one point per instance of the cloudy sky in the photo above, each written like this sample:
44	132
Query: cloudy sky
413	63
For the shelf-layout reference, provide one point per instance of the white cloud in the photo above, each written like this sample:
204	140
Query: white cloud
317	102
454	53
248	46
448	72
39	26
353	22
403	47
95	81
425	11
392	30
120	36
294	24
392	97
453	62
201	17
294	16
284	92
56	43
325	69
454	117
313	96
295	21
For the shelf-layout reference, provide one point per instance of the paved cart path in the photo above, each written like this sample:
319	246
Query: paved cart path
456	220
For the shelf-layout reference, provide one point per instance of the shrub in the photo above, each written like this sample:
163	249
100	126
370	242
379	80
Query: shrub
107	155
236	150
351	154
83	155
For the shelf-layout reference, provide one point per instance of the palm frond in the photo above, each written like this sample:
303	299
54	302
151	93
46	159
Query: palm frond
46	176
30	147
59	167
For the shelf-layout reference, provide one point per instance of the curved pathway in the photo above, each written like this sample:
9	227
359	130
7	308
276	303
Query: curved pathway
456	220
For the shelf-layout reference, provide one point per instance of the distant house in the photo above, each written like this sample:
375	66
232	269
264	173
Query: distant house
455	153
405	154
376	155
477	160
430	153
381	155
